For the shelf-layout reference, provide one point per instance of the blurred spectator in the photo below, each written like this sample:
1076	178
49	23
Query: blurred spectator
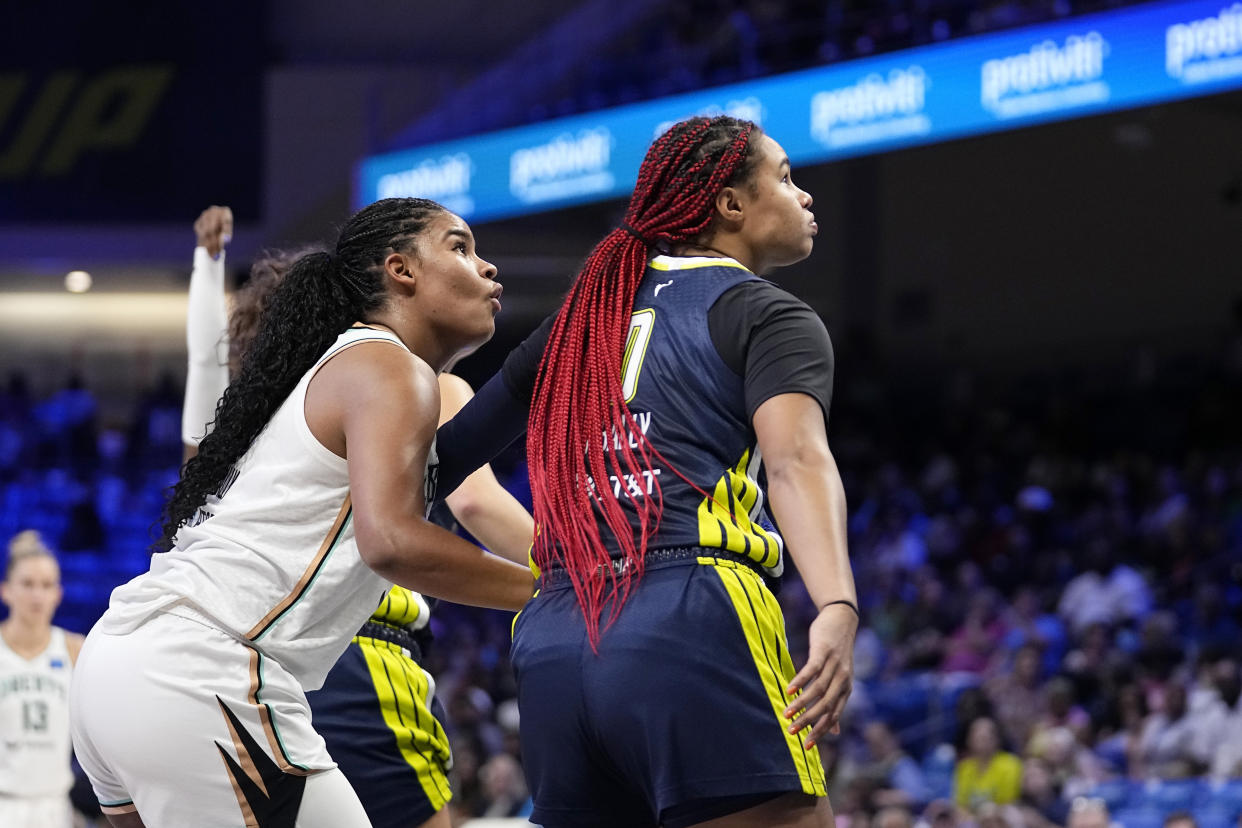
991	815
1210	624
940	813
970	647
896	780
1015	695
1074	767
1166	748
67	424
1028	624
1214	700
1226	758
1088	812
1121	741
1160	651
1041	802
986	773
1059	709
1227	761
924	626
504	787
1180	819
1108	592
892	817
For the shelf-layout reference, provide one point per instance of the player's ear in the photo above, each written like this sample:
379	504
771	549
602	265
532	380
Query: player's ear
401	268
729	204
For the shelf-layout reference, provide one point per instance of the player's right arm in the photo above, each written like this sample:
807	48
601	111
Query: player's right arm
207	372
377	405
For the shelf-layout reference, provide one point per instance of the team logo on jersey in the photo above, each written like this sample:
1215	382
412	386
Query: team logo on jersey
56	664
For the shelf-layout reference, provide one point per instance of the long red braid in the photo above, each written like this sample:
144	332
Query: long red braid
578	397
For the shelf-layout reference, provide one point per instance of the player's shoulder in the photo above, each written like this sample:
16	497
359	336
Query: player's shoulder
759	298
369	350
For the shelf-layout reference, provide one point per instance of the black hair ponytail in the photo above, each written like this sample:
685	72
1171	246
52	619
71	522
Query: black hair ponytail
322	295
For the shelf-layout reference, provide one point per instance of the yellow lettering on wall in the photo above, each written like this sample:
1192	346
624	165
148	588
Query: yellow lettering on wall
16	160
111	113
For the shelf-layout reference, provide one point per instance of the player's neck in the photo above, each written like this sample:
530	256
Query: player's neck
27	640
720	247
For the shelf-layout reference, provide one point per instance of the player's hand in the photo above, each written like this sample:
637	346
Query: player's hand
827	677
214	229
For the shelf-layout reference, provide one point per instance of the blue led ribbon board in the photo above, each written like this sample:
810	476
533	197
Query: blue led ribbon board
1087	65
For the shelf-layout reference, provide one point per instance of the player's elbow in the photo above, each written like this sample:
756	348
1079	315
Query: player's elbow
467	505
797	458
379	545
403	551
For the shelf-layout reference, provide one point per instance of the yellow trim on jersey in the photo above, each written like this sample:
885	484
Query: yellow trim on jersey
513	623
530	562
763	625
402	688
725	522
663	263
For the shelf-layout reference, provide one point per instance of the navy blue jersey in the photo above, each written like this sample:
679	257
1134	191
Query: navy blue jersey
691	406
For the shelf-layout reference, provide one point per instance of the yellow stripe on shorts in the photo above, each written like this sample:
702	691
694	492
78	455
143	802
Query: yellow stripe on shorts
763	624
402	688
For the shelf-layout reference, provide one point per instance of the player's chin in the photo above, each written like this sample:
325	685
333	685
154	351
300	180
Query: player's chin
797	250
485	331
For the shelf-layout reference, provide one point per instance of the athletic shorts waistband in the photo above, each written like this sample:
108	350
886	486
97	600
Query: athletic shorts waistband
393	635
669	556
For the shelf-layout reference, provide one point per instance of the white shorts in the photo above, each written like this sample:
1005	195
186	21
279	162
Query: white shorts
188	725
35	811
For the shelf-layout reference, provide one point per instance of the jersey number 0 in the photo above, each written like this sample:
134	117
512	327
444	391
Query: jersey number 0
642	323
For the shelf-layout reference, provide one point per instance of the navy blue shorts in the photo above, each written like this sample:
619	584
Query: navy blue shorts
390	743
678	719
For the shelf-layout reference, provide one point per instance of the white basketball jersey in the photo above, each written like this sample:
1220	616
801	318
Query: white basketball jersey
272	558
34	720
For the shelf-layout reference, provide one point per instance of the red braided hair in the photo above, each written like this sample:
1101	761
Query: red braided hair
578	397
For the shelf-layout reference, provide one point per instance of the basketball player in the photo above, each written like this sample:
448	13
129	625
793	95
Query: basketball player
301	508
377	710
655	683
36	661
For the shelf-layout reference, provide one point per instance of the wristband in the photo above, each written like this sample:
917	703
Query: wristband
845	601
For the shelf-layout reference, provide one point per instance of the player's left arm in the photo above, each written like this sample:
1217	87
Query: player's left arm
781	348
495	417
480	503
73	643
807	499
